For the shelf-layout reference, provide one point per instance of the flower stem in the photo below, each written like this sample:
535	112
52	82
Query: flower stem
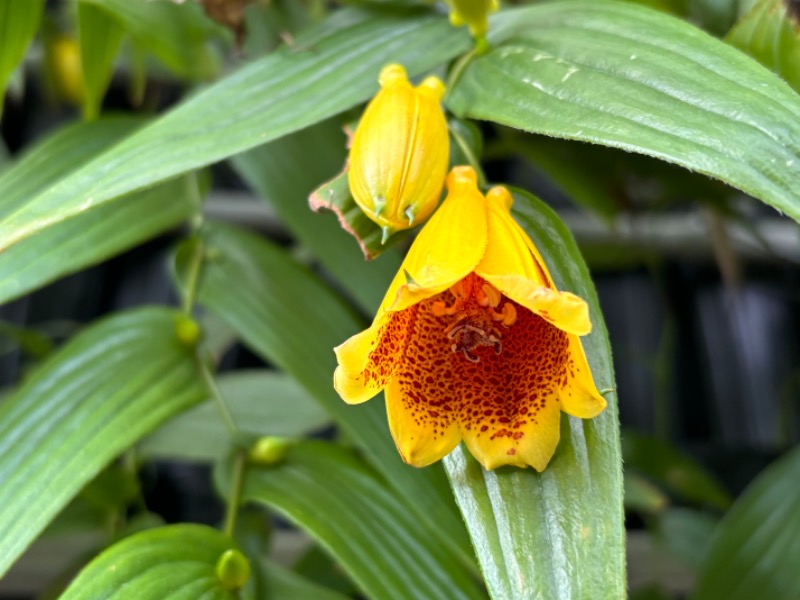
458	70
218	398
235	498
471	158
193	276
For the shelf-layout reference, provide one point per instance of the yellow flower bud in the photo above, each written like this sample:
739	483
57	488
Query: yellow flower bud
472	13
399	153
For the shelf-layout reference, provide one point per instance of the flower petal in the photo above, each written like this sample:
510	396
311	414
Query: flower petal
532	443
565	310
368	359
508	246
450	245
580	397
353	356
420	439
514	266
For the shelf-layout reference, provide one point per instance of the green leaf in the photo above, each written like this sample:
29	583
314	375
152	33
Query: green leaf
100	37
284	173
755	551
571	513
770	33
65	243
588	184
335	196
19	20
687	533
176	562
177	35
678	472
281	584
286	315
91	400
348	509
330	70
624	76
262	403
642	496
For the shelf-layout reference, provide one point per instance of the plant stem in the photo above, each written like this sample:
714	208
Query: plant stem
471	158
193	276
458	70
235	498
216	395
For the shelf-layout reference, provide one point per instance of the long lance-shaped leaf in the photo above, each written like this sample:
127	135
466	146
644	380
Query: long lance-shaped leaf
284	173
361	521
178	36
625	76
177	562
333	68
100	38
19	20
756	548
71	243
559	533
289	317
91	400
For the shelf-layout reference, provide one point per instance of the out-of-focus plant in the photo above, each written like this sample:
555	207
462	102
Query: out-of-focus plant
269	87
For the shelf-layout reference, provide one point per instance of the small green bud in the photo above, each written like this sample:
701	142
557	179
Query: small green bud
269	450
187	330
233	569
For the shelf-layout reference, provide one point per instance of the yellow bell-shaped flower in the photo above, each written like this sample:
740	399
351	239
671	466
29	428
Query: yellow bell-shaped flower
400	151
473	341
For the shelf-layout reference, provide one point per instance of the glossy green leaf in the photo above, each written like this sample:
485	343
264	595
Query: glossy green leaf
331	69
586	183
770	33
100	36
678	472
756	548
91	400
289	317
625	76
284	173
176	562
70	242
176	34
350	510
19	20
262	403
559	533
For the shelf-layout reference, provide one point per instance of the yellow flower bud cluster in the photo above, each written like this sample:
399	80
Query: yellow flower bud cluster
400	152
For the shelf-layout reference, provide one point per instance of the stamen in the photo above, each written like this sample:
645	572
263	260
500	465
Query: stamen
491	296
474	308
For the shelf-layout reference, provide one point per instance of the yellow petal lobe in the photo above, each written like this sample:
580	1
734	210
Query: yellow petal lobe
449	247
419	444
514	266
352	357
580	397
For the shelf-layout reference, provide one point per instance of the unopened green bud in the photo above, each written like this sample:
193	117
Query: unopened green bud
270	450
233	569
187	330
